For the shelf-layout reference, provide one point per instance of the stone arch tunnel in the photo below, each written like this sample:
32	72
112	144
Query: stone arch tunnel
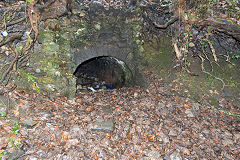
111	36
103	65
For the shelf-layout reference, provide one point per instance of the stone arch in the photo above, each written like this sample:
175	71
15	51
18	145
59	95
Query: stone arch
83	54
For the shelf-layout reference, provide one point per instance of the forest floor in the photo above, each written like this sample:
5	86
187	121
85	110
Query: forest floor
127	123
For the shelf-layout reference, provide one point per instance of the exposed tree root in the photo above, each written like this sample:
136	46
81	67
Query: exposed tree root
222	25
164	26
12	38
15	22
9	68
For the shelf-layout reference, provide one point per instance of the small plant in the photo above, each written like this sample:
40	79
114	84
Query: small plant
16	128
15	142
211	3
204	44
31	78
2	153
187	38
232	83
187	62
3	114
235	56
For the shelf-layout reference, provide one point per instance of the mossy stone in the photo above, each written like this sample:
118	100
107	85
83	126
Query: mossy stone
50	48
45	37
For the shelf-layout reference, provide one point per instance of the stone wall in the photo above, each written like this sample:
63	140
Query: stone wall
66	42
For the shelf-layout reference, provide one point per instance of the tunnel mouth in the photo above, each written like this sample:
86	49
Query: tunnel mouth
103	72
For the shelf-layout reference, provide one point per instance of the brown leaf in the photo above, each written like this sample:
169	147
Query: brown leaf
187	106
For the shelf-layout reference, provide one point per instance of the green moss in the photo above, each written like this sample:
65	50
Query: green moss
213	101
50	47
47	80
46	36
158	54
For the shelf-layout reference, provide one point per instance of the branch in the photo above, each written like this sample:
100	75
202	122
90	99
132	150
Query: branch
164	26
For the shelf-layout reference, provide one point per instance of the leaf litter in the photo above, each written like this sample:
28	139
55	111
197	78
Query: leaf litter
126	123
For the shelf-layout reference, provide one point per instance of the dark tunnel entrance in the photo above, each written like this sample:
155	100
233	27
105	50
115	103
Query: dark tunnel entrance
102	73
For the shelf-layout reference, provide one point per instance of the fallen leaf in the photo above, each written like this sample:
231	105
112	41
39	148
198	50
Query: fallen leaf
88	109
186	151
120	102
187	106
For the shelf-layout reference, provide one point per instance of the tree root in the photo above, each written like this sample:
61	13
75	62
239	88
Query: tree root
9	68
222	25
15	22
164	26
12	38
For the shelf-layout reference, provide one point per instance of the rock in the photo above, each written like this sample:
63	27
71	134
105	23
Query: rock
227	134
194	32
154	155
205	131
135	94
164	138
227	142
175	156
72	142
237	136
227	92
195	106
105	126
107	109
32	158
41	153
46	37
172	133
28	123
189	113
76	131
16	155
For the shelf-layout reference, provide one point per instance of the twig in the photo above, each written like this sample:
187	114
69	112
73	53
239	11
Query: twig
202	64
203	70
213	51
178	52
216	78
207	58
